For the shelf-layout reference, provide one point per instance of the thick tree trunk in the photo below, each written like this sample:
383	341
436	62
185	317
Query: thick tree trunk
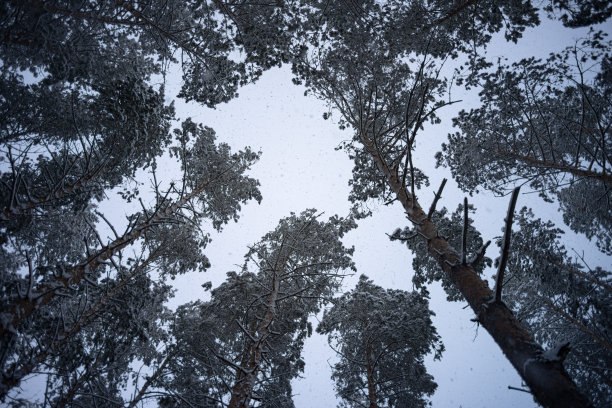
549	382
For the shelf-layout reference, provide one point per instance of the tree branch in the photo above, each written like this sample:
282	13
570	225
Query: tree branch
505	245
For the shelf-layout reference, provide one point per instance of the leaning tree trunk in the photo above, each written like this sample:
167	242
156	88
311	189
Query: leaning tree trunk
548	381
242	391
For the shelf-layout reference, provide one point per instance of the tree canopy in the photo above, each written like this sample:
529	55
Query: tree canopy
85	119
381	337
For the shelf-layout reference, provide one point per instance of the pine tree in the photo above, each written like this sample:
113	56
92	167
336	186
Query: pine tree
544	124
63	276
387	87
562	302
381	337
244	345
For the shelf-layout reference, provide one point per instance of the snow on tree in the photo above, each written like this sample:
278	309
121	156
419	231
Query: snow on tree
219	45
80	116
244	346
381	337
545	124
426	270
387	87
562	302
212	189
93	364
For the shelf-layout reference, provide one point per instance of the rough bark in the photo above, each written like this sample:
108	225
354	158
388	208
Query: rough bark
548	381
370	378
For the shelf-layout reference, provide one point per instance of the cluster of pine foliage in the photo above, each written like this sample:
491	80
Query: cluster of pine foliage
82	118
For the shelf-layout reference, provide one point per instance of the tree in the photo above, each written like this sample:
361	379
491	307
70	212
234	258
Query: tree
425	269
212	188
245	344
80	116
580	13
381	337
77	78
387	87
93	365
545	124
221	45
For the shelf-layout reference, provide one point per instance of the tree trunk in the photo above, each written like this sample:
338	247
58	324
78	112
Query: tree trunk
549	382
242	391
370	377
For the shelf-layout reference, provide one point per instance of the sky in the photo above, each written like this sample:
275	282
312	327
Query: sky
301	169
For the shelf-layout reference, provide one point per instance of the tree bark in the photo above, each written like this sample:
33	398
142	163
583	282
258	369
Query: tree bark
370	377
549	382
242	391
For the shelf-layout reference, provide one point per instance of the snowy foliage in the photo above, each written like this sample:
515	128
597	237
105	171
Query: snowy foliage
83	115
381	337
545	124
560	300
244	345
426	270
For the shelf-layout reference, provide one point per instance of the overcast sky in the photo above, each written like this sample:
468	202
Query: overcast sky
300	169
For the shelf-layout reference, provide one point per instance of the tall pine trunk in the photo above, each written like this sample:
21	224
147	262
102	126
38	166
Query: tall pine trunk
370	377
548	381
242	391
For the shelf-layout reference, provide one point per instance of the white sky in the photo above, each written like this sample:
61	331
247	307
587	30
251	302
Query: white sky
300	169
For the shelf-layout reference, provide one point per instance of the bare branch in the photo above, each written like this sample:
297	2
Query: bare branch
518	389
479	255
436	198
505	245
